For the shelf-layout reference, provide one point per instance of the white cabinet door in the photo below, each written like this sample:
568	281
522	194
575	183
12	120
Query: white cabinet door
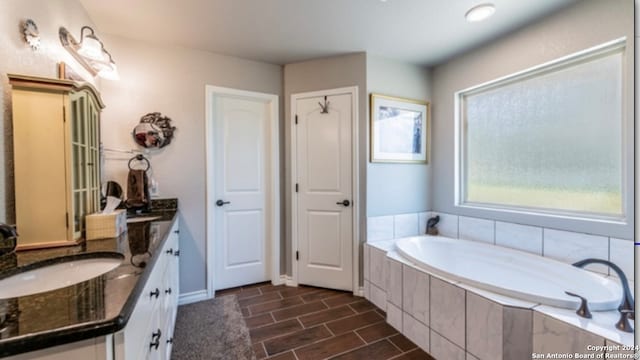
324	198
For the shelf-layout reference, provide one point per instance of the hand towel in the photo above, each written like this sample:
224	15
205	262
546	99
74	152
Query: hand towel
137	189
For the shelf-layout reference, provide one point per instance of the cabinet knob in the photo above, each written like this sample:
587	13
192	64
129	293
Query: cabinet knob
170	251
176	253
155	293
155	340
176	231
170	340
168	291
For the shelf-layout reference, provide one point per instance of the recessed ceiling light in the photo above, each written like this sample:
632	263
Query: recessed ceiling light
480	12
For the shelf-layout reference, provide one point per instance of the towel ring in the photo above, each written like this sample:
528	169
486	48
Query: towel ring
140	158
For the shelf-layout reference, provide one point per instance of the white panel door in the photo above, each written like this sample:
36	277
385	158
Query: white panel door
324	198
241	129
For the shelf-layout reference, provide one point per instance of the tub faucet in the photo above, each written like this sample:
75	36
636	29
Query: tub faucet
431	225
626	305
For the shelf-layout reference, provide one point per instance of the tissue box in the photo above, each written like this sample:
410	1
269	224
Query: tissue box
101	226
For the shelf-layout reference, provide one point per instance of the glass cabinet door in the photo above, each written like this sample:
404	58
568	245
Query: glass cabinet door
85	162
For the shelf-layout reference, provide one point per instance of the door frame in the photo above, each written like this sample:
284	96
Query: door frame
273	200
355	181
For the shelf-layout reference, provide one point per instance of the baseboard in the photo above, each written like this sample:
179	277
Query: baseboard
359	291
192	297
279	281
290	282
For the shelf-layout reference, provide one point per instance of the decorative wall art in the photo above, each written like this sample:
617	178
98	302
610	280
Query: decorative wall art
153	131
399	130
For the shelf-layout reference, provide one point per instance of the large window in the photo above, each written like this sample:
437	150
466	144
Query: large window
546	140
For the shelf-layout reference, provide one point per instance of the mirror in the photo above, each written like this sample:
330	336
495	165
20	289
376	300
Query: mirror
153	131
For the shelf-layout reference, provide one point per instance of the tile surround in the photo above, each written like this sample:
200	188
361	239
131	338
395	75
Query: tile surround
517	325
551	335
415	331
448	225
484	328
394	282
476	229
405	225
415	297
378	297
561	245
379	228
431	306
621	254
570	247
521	237
441	348
447	311
377	267
394	316
423	217
466	323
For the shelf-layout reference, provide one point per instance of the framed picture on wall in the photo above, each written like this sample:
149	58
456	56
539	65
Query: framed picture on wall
399	130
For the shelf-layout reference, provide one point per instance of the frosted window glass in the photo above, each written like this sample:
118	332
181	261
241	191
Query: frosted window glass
549	141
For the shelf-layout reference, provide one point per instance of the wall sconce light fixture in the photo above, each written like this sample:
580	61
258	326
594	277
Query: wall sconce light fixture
90	52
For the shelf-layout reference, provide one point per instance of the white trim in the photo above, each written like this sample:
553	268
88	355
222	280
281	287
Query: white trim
353	91
280	280
359	291
195	296
274	196
287	281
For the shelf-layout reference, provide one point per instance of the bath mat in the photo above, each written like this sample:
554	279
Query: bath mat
212	329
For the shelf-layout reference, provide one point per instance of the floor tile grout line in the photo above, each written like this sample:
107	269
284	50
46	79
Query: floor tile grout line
324	322
301	346
354	349
263	349
329	330
272	301
356	314
305	314
394	345
297	318
399	333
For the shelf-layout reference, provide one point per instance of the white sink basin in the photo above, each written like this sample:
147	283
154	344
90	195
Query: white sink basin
142	219
56	276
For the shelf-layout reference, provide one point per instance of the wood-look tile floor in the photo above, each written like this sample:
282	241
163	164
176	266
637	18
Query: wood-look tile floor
308	323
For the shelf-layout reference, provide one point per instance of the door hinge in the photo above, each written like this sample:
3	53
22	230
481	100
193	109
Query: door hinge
66	219
296	119
296	187
297	255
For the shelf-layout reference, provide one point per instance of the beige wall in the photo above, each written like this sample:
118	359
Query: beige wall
16	57
397	188
322	74
583	25
172	81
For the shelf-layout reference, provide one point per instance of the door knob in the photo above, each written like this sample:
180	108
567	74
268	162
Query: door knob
220	202
344	202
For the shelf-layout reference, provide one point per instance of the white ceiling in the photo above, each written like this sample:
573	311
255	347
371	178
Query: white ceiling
423	32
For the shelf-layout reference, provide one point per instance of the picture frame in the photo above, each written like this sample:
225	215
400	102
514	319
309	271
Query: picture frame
399	130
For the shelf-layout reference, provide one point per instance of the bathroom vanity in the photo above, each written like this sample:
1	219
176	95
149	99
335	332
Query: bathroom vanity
127	313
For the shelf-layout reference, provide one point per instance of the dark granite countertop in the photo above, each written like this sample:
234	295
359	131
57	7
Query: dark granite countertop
92	308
